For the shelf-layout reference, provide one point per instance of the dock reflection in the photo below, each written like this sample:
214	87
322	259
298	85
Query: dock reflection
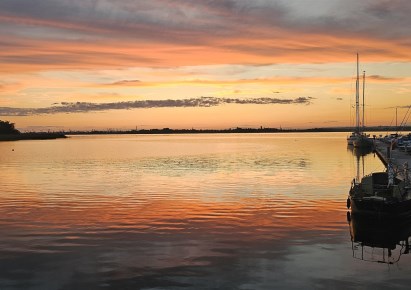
379	241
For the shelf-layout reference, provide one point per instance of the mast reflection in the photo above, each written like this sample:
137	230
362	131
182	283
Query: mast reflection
359	154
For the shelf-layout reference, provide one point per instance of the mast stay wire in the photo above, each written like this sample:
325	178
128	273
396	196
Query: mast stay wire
405	119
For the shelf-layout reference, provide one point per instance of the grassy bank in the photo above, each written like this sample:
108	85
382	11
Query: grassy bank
31	136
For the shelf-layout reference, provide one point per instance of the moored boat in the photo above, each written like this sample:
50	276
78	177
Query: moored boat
380	194
363	141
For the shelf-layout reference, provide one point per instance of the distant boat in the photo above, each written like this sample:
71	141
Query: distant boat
381	194
358	138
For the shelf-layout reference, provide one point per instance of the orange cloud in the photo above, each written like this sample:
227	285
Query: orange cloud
286	47
149	43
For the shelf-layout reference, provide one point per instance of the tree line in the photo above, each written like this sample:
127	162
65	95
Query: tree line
8	128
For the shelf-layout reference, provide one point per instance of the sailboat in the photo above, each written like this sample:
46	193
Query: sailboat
358	138
384	195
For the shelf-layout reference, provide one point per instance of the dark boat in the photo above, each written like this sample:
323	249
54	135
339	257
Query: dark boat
381	194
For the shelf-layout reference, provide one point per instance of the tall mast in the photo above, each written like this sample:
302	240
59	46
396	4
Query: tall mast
363	97
396	118
357	98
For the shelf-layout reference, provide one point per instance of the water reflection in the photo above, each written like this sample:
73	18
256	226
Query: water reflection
379	241
180	212
359	152
360	155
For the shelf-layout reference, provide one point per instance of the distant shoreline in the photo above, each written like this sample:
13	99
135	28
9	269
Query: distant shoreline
32	136
232	130
63	134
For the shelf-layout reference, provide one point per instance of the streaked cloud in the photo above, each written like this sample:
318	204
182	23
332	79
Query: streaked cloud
86	34
96	51
81	107
126	83
379	78
216	82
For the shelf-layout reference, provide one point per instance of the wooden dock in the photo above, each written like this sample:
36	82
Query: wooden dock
398	157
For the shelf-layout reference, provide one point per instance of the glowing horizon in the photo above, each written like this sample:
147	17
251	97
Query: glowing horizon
128	52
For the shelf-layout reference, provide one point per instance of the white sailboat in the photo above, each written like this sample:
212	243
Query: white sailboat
358	138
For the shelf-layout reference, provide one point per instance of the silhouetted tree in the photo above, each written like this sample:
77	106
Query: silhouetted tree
7	128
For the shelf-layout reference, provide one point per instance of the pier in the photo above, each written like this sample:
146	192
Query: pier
397	157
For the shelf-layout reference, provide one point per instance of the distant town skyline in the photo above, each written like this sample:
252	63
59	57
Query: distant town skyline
97	64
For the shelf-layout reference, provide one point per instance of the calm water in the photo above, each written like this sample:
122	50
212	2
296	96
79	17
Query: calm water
185	212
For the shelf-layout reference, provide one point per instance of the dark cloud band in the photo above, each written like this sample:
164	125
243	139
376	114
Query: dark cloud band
84	107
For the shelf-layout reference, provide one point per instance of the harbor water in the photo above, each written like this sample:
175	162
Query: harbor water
204	211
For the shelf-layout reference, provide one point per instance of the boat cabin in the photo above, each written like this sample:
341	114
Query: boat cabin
377	184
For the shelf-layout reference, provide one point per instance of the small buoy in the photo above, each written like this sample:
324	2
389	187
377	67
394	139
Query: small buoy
12	149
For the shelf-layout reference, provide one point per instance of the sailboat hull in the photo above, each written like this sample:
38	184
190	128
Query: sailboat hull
351	139
378	207
363	141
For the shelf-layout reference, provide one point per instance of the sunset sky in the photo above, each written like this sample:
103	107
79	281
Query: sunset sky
99	64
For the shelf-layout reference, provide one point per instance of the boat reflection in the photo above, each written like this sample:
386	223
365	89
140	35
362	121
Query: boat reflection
360	152
379	241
